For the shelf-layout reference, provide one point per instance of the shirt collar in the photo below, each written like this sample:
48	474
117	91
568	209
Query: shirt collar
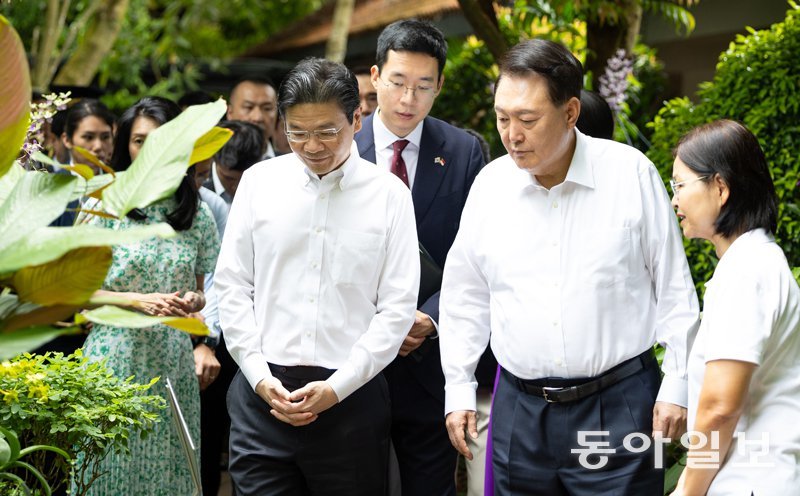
219	189
343	176
580	169
385	138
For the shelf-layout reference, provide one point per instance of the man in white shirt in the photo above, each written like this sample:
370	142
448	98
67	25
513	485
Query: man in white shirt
569	258
317	283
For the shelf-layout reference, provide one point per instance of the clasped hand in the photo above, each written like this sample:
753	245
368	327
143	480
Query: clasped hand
300	407
169	304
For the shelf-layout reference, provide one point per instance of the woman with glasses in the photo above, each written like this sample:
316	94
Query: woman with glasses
744	367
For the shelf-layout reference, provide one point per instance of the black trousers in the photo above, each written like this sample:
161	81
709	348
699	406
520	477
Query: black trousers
344	452
426	458
532	440
214	420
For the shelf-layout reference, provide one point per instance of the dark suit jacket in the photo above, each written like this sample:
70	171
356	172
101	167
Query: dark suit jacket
449	160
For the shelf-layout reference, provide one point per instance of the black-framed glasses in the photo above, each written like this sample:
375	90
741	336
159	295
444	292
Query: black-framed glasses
676	187
399	89
321	134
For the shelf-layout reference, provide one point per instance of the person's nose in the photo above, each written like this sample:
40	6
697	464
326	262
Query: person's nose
515	132
314	144
674	200
409	95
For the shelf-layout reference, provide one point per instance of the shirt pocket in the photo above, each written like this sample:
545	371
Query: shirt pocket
356	257
607	256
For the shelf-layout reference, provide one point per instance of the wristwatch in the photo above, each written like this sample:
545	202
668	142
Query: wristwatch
212	340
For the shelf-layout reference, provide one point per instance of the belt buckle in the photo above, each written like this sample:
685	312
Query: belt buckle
546	389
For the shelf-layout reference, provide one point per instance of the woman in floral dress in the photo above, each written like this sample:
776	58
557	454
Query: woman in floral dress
159	277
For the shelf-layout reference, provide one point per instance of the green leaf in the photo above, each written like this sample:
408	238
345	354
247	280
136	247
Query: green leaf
15	342
118	317
9	180
71	279
672	475
10	451
162	161
210	143
15	94
37	200
49	243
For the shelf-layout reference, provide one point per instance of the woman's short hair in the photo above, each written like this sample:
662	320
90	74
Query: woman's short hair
728	149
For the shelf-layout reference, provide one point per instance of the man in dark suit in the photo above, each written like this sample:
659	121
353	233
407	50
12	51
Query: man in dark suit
438	162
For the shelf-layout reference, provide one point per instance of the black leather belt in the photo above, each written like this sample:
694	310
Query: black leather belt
584	389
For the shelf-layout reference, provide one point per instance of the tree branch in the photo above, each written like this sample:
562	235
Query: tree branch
485	26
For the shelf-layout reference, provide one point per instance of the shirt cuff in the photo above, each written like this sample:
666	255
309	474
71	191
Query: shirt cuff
344	381
255	369
673	390
435	333
460	397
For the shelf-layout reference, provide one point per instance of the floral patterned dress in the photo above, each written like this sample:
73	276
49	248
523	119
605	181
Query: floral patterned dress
157	465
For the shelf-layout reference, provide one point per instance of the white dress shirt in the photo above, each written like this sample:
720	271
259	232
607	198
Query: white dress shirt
752	314
319	272
219	208
569	281
384	139
219	189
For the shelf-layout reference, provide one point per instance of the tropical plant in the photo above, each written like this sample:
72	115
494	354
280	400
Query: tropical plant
11	464
81	406
755	83
49	273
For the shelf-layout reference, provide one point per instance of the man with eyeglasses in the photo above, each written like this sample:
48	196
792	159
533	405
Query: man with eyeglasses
317	282
438	162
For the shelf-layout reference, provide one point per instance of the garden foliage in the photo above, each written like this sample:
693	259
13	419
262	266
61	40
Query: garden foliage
79	406
757	82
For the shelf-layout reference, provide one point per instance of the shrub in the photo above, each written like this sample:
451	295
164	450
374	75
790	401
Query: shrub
756	83
79	406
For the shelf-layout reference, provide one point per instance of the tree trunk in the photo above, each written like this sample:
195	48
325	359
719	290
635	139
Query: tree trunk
100	36
40	78
336	49
483	20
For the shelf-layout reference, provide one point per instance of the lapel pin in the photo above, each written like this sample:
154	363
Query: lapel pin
439	161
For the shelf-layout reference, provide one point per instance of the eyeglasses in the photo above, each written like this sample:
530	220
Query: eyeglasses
399	89
304	136
676	187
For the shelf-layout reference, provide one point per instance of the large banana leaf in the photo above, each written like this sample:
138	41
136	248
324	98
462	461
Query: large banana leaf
38	316
49	243
209	144
14	343
15	94
162	161
71	279
88	184
9	180
37	200
118	317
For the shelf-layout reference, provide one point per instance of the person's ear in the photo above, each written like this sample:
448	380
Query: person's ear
439	86
66	141
357	120
572	109
721	189
374	72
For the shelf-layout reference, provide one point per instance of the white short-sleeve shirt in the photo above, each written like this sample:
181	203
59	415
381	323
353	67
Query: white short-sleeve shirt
752	314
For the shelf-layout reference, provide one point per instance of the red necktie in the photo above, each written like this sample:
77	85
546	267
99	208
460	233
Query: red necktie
398	164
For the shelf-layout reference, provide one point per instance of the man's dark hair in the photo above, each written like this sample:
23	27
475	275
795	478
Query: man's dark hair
728	149
244	149
595	119
412	35
316	80
260	80
198	97
551	60
160	110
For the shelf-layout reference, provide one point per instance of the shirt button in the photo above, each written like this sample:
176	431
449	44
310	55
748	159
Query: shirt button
308	334
321	197
555	323
314	265
558	362
311	300
555	204
319	230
